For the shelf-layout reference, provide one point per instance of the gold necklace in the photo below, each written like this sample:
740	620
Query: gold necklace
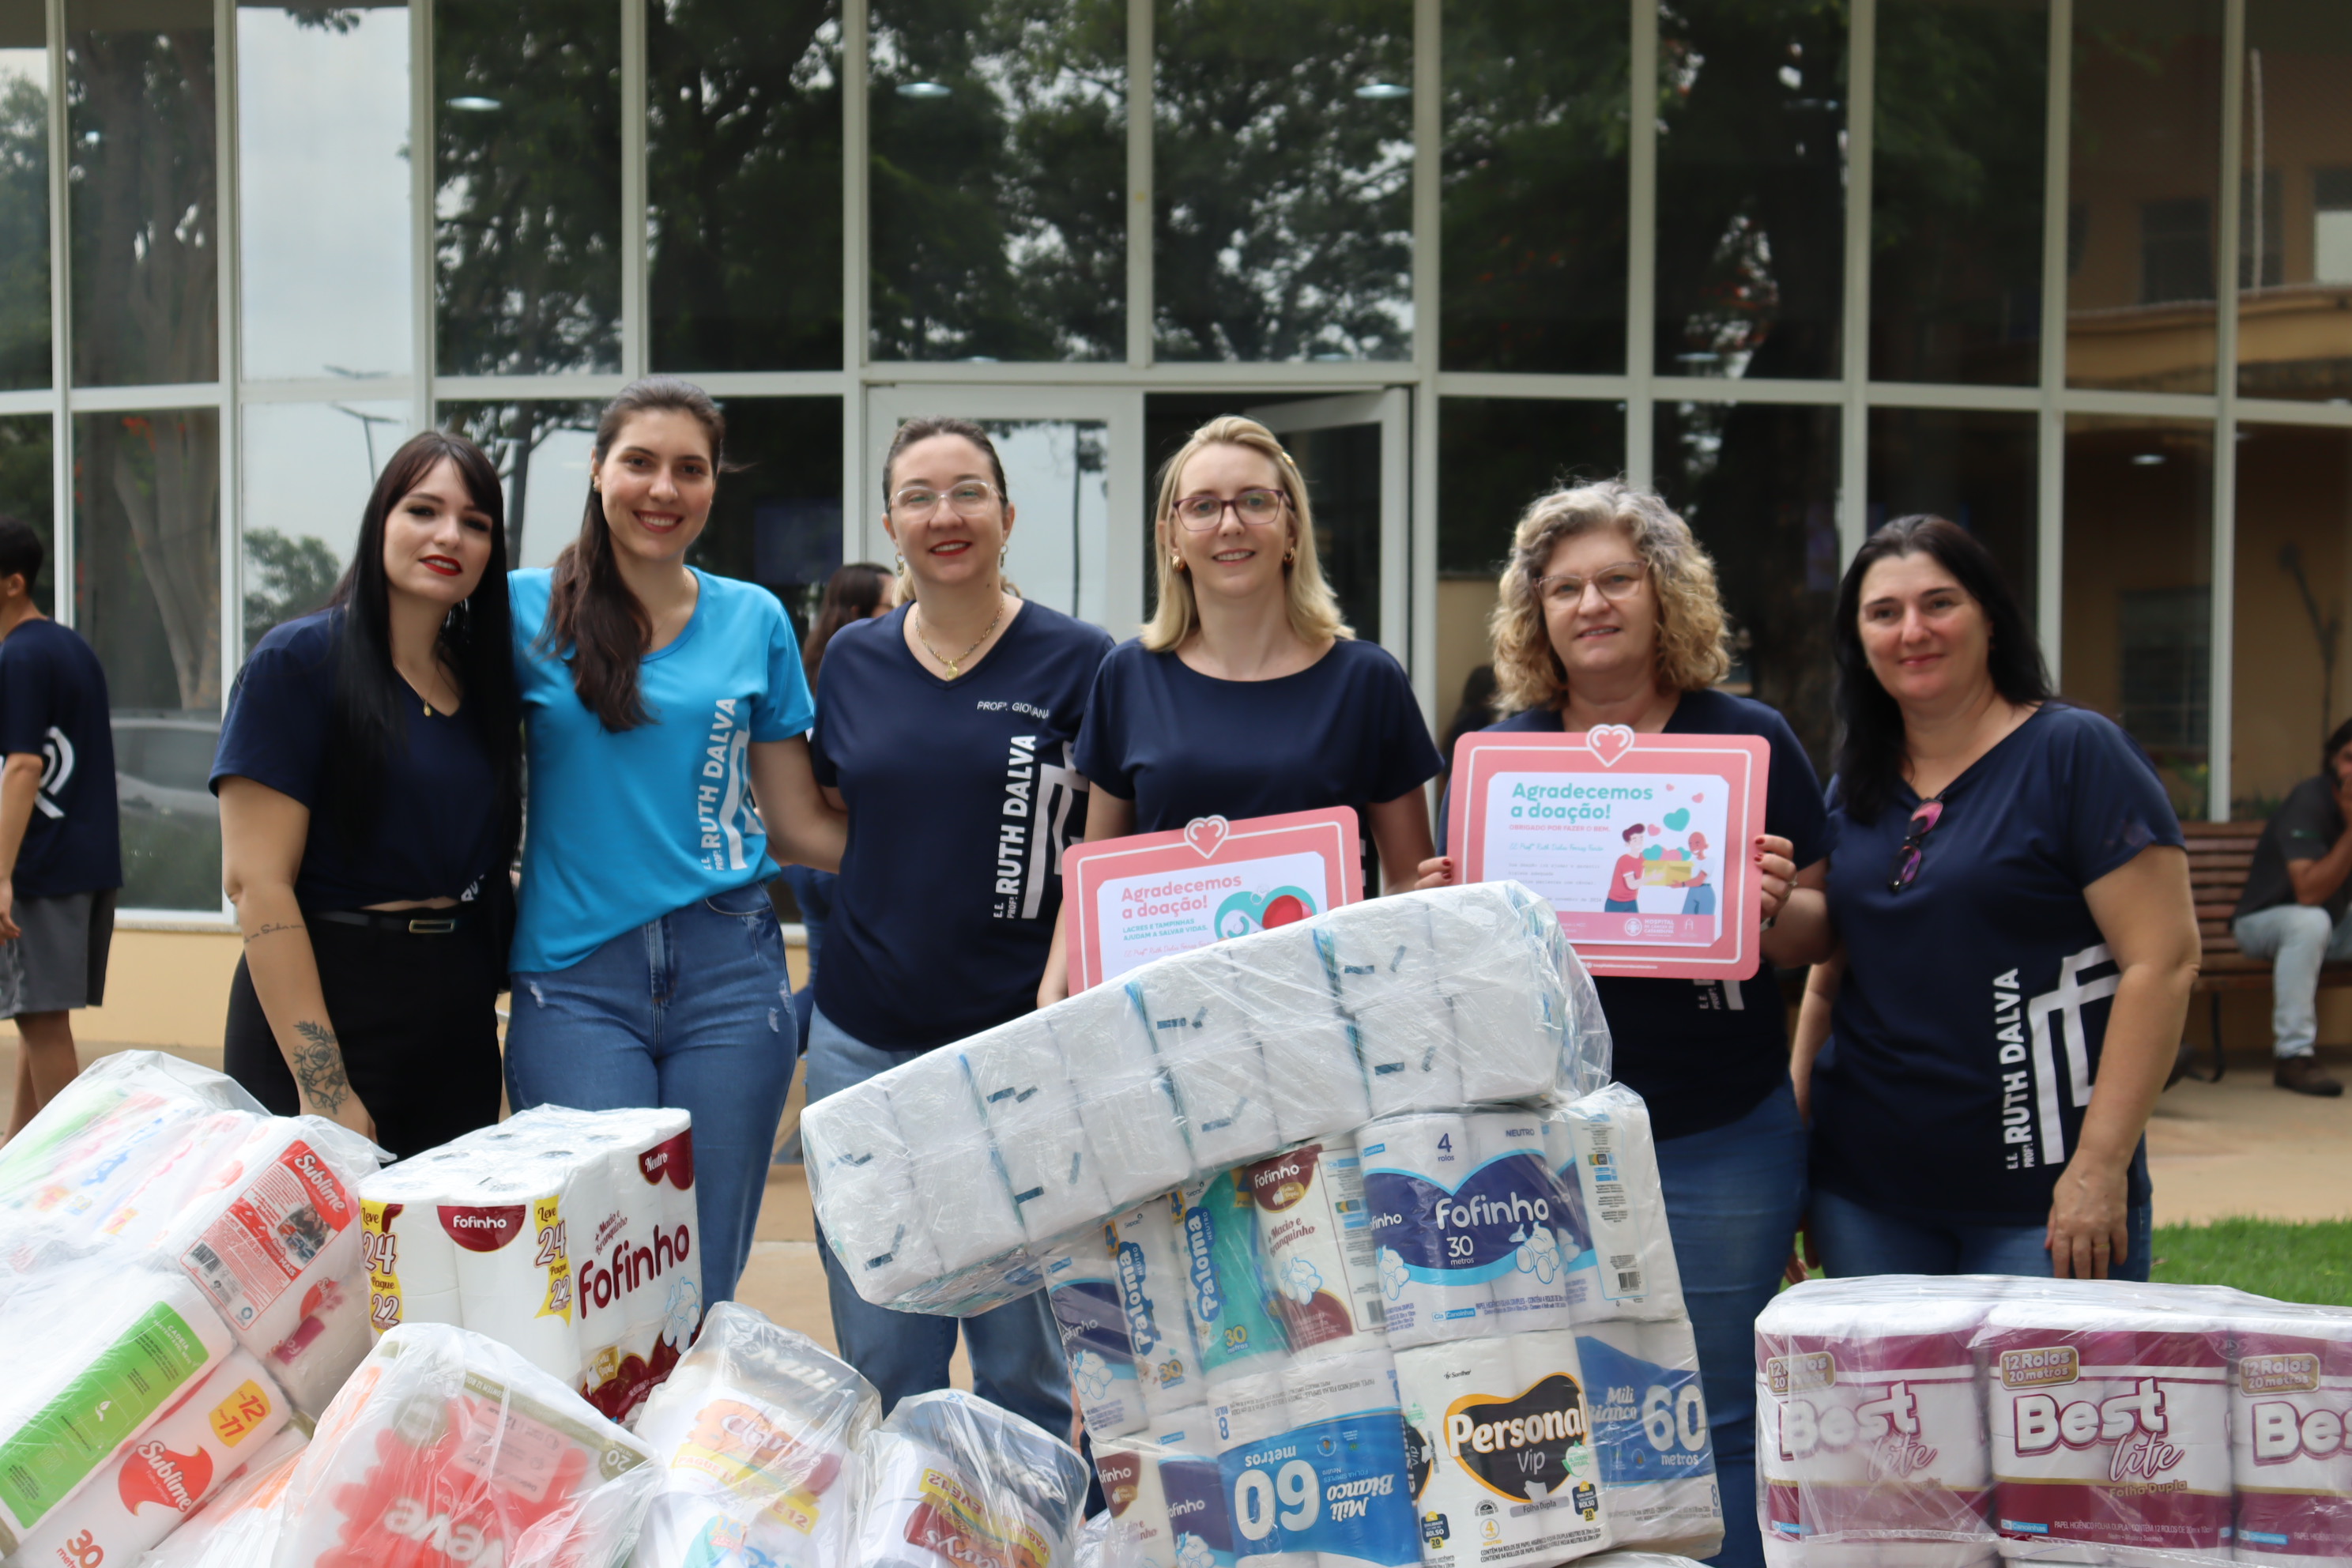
954	664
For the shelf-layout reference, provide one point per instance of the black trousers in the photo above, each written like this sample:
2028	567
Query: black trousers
416	1017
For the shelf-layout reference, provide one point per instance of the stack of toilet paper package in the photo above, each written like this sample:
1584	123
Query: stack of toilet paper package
1356	1259
569	1235
1947	1422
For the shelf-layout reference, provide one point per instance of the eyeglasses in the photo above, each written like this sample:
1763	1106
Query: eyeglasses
1906	860
970	498
1257	508
1616	583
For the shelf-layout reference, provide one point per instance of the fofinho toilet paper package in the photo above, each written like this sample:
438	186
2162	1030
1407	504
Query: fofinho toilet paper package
1316	1247
949	1480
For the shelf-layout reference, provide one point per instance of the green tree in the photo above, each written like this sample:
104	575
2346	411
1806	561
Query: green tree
23	234
286	576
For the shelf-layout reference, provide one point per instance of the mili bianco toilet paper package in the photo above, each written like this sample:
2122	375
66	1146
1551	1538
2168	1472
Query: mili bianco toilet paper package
1937	1423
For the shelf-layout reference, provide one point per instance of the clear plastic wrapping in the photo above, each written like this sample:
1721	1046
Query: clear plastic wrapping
943	1184
950	1481
1935	1422
238	1527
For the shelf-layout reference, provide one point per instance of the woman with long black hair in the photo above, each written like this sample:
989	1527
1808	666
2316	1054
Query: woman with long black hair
369	779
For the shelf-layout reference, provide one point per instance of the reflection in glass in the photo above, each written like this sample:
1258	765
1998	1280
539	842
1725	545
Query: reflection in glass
526	137
777	520
1535	187
1341	465
743	183
1759	485
1282	164
1955	197
2144	185
999	171
2295	234
147	595
323	191
2137	610
2294	580
146	243
543	451
308	471
27	489
1975	469
23	196
1057	476
1751	187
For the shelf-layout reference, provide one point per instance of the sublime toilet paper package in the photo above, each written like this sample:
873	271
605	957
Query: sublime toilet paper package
1650	1430
1315	1247
949	1480
238	1526
1233	1325
755	1435
280	1219
1502	1454
1150	1261
1082	1285
2291	1439
1626	1268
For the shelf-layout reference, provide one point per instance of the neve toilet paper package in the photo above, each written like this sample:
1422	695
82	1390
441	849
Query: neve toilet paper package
1650	1430
2291	1439
949	1480
941	1184
755	1436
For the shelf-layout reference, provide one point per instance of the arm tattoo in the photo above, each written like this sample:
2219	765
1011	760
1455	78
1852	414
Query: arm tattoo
271	930
318	1067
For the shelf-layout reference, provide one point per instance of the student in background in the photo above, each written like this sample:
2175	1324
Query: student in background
2293	911
60	845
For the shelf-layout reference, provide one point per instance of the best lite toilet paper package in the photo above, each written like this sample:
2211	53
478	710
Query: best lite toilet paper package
2291	1439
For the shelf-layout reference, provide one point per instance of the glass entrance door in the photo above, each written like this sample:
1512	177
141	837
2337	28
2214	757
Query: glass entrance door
1354	452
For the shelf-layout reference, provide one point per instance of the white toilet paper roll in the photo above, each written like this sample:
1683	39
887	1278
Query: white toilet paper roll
1380	955
1151	1260
2291	1440
862	1176
411	1263
1125	1102
280	1219
1311	1068
312	1364
1631	1253
1316	1238
511	1285
1345	1425
952	1164
1512	1475
1412	1166
1129	1474
1082	1288
1193	1004
1023	1089
1505	994
1251	1419
1519	1231
1190	1430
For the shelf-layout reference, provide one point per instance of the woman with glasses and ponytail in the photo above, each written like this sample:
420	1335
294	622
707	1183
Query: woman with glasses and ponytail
660	702
2016	943
1248	695
944	730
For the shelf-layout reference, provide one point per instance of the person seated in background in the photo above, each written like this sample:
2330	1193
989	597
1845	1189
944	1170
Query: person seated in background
2293	910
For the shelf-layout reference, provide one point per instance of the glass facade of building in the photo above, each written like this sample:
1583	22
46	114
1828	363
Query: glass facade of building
1787	260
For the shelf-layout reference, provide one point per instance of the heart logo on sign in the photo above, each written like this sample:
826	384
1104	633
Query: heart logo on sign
1610	741
1207	834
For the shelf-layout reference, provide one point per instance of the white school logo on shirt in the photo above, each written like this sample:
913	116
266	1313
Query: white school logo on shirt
2033	1125
1034	826
719	789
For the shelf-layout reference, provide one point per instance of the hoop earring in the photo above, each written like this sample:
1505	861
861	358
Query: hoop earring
902	565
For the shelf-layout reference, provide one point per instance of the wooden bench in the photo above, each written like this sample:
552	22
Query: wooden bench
2220	857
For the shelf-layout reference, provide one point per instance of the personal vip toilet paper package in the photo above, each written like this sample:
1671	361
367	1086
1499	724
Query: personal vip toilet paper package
755	1436
1624	1265
2291	1439
1650	1430
949	1480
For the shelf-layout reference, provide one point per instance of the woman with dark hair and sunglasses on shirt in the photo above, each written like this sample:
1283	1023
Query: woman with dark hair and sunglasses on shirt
2015	942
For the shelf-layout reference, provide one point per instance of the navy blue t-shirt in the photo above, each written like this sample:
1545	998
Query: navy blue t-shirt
961	798
1345	731
436	833
53	706
1966	1034
1704	1053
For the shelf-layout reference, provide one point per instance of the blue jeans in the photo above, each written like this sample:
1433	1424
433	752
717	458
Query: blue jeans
1016	1351
813	890
1853	1239
691	1011
2297	939
1734	1195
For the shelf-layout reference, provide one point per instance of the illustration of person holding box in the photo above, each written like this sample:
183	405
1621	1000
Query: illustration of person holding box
1625	877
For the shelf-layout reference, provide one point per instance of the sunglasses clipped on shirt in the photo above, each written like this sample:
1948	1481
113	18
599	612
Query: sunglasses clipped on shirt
1906	860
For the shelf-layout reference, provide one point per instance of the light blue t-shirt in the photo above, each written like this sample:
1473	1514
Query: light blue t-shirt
625	827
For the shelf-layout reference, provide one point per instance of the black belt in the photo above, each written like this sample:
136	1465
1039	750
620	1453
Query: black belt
425	922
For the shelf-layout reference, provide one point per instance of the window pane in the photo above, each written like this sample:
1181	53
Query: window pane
1282	164
147	595
2137	607
778	521
309	469
1751	187
1759	485
23	196
1955	194
145	227
322	160
526	134
1975	469
2146	183
743	183
27	456
2294	578
2295	234
1534	186
998	178
542	450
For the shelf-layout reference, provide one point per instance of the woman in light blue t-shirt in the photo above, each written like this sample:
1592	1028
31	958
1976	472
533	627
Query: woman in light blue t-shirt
658	702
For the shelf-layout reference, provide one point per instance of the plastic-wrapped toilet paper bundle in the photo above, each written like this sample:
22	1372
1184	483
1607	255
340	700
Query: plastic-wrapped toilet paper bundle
1502	1451
1233	1325
177	1170
186	1455
1252	1421
447	1448
636	1304
857	1156
280	1219
2110	1431
108	1131
1512	1215
2291	1439
1129	1472
1384	963
1308	1048
1195	1007
1345	1427
1082	1285
312	1363
1150	1261
955	1169
1129	1110
237	1526
1023	1086
1316	1247
949	1480
1650	1430
1602	1144
755	1433
1508	1038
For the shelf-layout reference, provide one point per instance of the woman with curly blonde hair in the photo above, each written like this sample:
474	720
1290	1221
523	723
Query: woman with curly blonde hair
1248	695
1609	615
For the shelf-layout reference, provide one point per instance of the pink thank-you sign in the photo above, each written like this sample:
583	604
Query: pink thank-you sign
1640	842
1135	900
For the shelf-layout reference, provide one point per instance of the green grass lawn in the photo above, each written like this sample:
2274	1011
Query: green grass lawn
2292	1262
